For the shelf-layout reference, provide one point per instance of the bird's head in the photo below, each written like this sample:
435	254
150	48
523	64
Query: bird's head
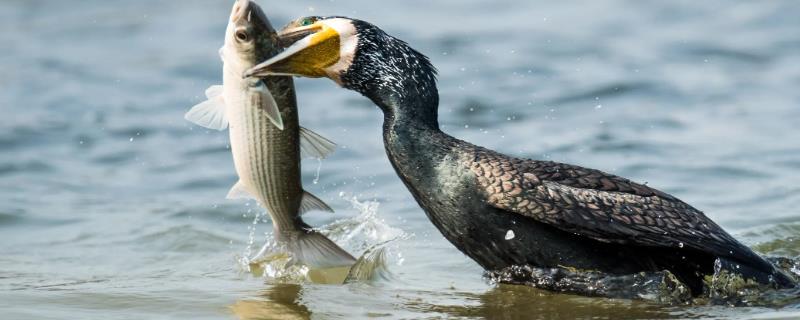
355	54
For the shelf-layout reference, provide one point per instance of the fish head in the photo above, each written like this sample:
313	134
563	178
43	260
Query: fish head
250	37
316	47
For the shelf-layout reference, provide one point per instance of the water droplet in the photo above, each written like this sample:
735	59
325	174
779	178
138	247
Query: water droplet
510	235
680	244
319	166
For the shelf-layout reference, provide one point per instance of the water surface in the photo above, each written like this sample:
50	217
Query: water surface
112	206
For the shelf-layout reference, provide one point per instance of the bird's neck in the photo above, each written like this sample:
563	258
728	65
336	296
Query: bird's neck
408	97
410	113
402	82
415	145
409	109
410	103
397	78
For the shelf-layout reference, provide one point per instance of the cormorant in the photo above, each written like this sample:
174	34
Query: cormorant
501	210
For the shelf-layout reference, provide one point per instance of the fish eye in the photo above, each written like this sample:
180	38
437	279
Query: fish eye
241	35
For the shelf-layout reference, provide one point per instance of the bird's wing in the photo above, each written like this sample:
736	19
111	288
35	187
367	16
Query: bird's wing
584	178
597	205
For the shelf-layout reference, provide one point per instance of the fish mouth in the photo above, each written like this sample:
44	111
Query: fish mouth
239	10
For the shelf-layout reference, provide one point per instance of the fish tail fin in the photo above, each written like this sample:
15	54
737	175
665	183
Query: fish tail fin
315	250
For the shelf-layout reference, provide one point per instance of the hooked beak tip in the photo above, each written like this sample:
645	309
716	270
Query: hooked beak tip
252	72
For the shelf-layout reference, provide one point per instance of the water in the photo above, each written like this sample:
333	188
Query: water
112	206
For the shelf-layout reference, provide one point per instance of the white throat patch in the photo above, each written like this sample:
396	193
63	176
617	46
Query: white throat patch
348	39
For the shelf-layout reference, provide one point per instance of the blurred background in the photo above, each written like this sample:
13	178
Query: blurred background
112	205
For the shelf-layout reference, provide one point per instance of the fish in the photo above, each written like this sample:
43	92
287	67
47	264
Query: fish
266	139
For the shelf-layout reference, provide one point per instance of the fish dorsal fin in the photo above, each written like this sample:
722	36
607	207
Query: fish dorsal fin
313	145
260	96
210	113
239	191
311	202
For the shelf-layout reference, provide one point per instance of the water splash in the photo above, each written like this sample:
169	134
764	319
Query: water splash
366	233
660	286
251	237
363	231
720	288
726	288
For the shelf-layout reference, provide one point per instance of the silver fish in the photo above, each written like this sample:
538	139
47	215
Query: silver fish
266	138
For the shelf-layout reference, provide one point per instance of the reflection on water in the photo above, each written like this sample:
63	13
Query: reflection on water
284	301
280	301
522	302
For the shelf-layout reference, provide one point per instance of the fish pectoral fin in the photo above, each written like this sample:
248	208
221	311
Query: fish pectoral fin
317	251
311	202
313	145
210	113
260	96
239	191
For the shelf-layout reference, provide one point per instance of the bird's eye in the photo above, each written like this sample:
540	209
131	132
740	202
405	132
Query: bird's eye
307	22
241	35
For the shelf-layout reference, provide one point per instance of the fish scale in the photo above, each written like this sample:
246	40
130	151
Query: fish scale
273	158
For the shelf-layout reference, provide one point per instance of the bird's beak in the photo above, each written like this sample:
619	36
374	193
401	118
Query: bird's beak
313	48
